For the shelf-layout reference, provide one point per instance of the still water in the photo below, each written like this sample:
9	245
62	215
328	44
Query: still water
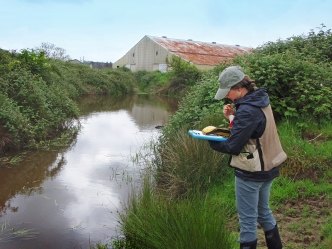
71	198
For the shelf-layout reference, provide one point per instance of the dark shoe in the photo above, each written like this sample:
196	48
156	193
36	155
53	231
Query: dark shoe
249	245
272	239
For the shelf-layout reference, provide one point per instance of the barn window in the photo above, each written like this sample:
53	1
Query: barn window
156	53
133	54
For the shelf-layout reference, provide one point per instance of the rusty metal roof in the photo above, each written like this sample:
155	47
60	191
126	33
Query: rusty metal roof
201	53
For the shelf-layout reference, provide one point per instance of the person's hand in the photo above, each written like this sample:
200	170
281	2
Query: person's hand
228	110
214	145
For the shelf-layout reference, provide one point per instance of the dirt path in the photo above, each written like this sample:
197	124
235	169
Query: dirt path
300	223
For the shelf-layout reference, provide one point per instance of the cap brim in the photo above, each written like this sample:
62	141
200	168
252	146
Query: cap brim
221	93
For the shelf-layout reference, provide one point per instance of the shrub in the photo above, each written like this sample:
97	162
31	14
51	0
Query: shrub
298	84
150	82
296	87
14	122
38	95
196	106
183	74
34	61
315	46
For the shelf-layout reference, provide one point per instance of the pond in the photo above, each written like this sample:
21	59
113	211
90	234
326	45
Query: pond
72	198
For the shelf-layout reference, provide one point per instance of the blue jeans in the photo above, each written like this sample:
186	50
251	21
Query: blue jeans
252	203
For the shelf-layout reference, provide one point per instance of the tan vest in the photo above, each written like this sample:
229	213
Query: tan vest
264	153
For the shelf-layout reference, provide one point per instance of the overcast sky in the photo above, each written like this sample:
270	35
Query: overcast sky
104	30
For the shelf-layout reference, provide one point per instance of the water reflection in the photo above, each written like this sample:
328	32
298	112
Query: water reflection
71	198
27	177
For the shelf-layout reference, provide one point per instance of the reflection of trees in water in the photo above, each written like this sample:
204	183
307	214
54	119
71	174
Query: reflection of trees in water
94	103
28	177
167	103
7	206
150	111
56	166
145	109
107	103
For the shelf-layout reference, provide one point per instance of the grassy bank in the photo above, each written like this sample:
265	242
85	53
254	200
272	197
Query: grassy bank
193	181
187	173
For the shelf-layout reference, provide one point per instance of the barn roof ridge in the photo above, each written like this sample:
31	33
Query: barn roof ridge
213	43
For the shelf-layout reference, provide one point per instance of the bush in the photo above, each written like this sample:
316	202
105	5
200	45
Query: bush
296	87
196	106
298	81
315	46
183	75
14	122
38	95
150	82
297	73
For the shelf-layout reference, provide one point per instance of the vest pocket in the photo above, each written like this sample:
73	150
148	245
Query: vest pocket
247	161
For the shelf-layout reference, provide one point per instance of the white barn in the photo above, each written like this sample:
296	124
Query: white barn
152	53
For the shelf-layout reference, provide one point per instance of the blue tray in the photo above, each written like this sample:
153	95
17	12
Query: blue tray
199	135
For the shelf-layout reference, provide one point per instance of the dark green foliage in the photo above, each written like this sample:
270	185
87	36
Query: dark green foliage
297	74
14	121
38	94
33	61
197	106
31	110
184	71
182	75
151	81
297	87
316	46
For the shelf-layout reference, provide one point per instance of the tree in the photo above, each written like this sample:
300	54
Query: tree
52	51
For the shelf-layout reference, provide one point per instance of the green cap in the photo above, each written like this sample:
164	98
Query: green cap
228	78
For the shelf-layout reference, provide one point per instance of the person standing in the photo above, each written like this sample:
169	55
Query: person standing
256	154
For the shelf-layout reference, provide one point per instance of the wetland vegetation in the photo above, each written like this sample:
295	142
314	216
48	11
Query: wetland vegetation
187	199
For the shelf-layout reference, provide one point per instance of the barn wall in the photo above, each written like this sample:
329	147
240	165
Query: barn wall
145	55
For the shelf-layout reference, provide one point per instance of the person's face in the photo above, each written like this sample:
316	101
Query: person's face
234	94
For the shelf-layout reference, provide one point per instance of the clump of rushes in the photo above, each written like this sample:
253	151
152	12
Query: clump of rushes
185	165
154	222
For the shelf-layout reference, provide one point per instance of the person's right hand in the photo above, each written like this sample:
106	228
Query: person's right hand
228	110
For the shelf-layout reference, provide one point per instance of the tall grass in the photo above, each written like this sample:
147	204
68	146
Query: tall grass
309	146
184	165
154	222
